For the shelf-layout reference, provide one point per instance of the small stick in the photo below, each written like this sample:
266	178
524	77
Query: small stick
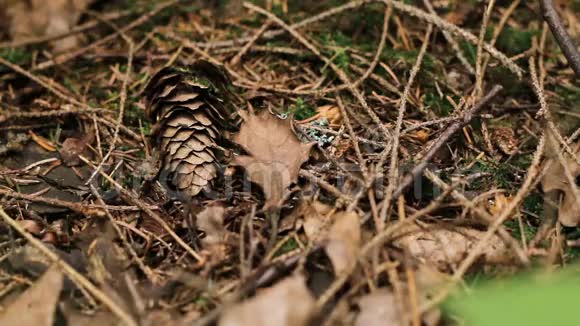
393	171
250	43
562	38
445	136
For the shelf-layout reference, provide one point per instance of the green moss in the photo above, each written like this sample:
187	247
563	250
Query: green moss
512	86
575	6
300	110
528	231
514	41
391	55
501	175
569	94
534	203
288	246
470	51
441	106
16	56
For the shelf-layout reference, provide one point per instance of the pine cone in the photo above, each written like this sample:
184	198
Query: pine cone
189	116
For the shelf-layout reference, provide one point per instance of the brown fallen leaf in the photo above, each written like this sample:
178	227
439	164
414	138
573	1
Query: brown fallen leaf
555	180
37	305
382	307
41	18
447	247
211	221
71	149
343	237
422	135
287	303
378	308
275	154
313	213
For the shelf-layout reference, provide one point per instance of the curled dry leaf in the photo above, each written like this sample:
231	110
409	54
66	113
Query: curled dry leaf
287	303
447	247
342	239
422	135
37	305
41	18
71	149
331	113
211	222
555	180
275	154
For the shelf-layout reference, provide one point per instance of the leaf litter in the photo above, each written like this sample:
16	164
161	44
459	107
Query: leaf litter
343	254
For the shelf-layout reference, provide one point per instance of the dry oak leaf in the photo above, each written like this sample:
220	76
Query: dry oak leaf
447	247
287	303
275	154
37	305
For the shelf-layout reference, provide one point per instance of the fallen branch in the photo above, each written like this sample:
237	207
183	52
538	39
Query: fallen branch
562	38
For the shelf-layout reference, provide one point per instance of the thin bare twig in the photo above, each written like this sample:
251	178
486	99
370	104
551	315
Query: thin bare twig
122	101
393	166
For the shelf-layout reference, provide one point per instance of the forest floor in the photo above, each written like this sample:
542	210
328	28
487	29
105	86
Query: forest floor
428	152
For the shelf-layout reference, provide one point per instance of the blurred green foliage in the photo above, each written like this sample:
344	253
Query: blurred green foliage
525	300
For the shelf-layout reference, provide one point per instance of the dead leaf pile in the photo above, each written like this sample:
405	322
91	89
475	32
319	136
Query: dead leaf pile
274	157
40	18
446	247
